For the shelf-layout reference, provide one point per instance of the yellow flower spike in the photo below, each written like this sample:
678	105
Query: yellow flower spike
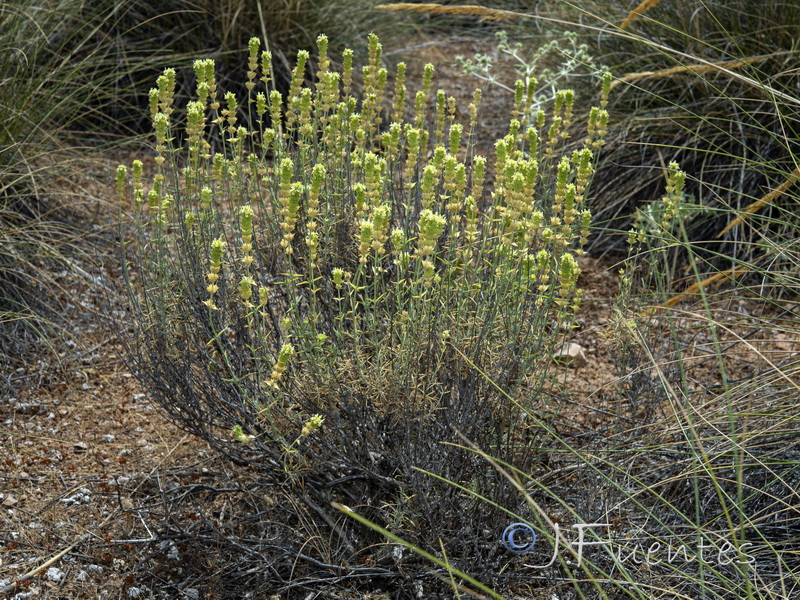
298	73
314	190
431	226
291	208
471	212
391	140
252	61
420	108
399	240
430	177
195	120
347	71
304	112
568	274
554	133
380	226
533	141
399	101
121	180
137	170
360	199
312	243
569	204
439	115
240	436
473	109
455	138
217	246
261	105
338	277
540	118
166	90
275	109
312	425
605	90
365	240
569	101
266	67
602	128
478	174
246	289
322	55
263	296
230	111
284	358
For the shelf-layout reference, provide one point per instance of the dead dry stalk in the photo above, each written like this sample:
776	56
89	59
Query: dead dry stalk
762	202
698	69
639	10
486	14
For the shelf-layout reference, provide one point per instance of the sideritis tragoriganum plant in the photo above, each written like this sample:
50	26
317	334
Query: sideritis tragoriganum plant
334	288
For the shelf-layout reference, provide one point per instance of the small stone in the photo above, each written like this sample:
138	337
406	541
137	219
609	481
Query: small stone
81	447
9	501
108	438
571	355
54	574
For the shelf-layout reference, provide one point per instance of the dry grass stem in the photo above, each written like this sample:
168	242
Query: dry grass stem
486	14
762	202
698	69
719	278
639	10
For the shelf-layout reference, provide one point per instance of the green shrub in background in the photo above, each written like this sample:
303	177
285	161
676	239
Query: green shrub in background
337	288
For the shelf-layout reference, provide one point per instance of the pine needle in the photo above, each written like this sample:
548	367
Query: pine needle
762	202
634	14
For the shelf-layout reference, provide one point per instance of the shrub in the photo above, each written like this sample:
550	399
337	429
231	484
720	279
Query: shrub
335	289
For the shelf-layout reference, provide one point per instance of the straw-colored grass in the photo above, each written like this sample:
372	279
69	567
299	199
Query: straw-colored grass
765	200
470	10
638	11
698	69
